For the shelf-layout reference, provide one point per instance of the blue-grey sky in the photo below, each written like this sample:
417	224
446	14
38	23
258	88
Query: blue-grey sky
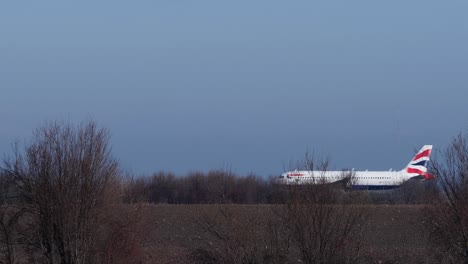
198	85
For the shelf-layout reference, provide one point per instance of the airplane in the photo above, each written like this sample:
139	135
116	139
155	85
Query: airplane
367	180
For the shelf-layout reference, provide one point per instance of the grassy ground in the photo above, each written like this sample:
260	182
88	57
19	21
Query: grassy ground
394	234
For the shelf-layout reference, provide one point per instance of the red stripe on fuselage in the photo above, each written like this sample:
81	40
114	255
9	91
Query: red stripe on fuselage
425	153
296	174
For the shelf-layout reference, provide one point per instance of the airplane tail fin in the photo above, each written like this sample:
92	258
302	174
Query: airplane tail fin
418	165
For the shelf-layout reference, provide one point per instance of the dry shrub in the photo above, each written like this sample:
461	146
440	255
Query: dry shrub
239	237
68	180
446	219
121	237
323	227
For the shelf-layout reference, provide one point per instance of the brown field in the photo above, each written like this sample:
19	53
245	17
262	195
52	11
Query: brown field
394	234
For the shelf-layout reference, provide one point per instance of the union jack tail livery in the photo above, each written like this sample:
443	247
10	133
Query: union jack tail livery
418	165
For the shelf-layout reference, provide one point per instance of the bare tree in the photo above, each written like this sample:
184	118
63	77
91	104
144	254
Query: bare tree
448	216
68	177
323	226
10	226
135	190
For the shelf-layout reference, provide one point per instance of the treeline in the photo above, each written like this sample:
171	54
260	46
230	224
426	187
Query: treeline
217	186
225	187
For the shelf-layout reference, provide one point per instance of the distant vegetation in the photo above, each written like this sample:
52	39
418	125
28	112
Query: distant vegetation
223	186
64	199
218	186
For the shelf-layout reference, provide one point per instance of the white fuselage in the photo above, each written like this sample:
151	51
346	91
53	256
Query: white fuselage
365	179
357	179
